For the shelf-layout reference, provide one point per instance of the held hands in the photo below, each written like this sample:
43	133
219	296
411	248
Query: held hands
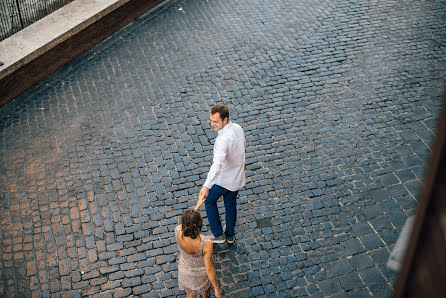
204	192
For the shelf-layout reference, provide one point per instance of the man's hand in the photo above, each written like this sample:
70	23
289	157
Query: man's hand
204	192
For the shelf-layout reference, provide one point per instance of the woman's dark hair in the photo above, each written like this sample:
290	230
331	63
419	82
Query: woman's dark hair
191	223
222	110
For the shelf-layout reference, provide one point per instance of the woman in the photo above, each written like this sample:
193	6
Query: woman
196	270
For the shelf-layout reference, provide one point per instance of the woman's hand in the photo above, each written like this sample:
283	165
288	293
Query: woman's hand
202	197
199	202
217	292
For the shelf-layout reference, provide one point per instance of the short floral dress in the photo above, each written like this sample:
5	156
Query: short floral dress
192	275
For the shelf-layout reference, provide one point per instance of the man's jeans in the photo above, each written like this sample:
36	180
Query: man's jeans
230	199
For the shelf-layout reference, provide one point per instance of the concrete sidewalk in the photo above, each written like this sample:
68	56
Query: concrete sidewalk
338	100
43	47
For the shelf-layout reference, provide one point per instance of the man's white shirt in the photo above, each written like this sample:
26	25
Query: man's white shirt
228	167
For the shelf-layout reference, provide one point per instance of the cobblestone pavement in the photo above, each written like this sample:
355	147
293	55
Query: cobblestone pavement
339	102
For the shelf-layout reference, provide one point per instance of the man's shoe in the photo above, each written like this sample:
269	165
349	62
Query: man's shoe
230	239
219	239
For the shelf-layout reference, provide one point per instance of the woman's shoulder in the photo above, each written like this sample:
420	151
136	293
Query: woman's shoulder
205	238
177	229
207	243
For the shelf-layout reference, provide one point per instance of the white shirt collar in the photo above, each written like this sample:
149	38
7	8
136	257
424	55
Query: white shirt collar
226	128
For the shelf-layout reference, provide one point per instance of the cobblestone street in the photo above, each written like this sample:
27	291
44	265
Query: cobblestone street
339	102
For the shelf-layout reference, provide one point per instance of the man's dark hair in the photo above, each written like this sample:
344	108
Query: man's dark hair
223	110
191	223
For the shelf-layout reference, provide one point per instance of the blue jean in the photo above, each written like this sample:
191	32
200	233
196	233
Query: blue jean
230	200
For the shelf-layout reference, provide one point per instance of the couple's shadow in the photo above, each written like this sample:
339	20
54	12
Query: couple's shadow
230	260
224	247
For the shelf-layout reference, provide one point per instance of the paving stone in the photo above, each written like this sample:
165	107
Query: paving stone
350	281
379	195
353	246
380	290
122	292
342	266
371	241
362	261
380	223
361	229
398	218
330	287
110	285
361	292
389	236
372	211
371	276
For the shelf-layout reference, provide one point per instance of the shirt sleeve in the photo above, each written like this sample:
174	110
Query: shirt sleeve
220	151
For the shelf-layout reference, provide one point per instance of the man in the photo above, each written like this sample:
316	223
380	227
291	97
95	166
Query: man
226	175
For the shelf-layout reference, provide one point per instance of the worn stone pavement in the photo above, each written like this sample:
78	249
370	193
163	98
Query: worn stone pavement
339	102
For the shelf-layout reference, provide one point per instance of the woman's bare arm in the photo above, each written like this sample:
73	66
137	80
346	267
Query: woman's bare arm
200	202
210	270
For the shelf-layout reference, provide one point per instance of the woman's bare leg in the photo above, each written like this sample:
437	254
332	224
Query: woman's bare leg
206	294
190	295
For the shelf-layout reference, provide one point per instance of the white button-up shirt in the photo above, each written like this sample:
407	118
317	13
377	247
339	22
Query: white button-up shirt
228	167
